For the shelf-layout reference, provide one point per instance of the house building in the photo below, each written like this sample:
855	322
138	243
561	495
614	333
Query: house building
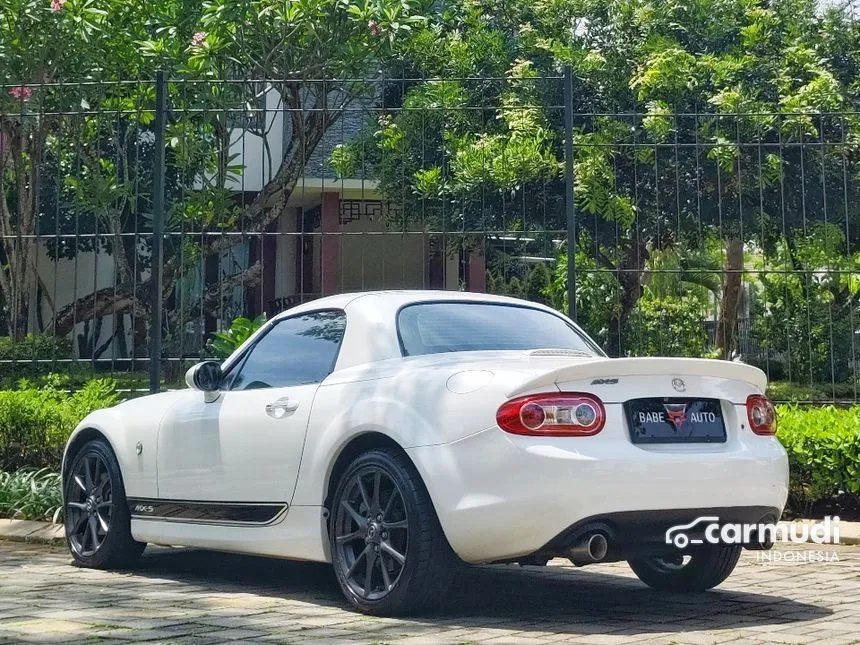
334	234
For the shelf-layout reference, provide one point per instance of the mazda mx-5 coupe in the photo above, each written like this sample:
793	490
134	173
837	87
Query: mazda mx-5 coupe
400	434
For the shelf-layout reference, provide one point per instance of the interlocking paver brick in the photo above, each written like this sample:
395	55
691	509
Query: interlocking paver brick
197	598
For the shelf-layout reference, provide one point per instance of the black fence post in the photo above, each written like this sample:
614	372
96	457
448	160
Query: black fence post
157	232
570	207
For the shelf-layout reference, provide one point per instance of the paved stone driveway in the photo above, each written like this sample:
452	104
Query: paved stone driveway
195	597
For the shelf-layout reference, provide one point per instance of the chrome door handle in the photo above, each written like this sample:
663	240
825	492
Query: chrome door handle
280	408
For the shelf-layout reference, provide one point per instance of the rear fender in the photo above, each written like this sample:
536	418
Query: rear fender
326	440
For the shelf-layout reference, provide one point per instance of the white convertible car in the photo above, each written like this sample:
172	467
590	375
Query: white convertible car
398	434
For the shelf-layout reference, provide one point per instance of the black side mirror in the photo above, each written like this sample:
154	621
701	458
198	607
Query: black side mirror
205	376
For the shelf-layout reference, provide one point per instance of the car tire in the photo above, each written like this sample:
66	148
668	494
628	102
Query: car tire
706	568
97	518
381	511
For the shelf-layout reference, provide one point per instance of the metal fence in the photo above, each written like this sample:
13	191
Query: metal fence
140	217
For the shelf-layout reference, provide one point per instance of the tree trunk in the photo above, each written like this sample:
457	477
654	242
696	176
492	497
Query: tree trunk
104	302
728	317
18	275
631	266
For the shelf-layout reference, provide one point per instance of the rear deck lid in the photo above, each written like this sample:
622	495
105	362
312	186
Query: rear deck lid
616	380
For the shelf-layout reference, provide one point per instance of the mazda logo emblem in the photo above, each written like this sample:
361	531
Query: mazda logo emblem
679	385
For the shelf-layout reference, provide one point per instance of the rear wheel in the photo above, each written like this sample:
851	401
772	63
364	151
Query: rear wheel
701	570
97	519
388	550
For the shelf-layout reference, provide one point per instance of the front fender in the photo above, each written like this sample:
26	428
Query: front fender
98	422
138	470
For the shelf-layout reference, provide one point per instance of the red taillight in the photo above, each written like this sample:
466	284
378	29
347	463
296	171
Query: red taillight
761	414
560	414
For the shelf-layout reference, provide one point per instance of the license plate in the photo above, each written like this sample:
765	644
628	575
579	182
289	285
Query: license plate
675	420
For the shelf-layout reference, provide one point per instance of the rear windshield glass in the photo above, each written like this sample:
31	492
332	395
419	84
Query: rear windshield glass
436	327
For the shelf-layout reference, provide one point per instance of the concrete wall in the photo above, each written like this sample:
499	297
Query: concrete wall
376	258
65	280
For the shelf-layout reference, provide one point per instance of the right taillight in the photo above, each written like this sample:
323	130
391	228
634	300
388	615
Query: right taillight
761	414
558	414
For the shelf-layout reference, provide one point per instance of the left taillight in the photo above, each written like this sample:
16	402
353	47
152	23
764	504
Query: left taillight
559	414
761	414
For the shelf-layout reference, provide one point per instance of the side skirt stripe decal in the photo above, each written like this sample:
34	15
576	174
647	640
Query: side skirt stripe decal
204	512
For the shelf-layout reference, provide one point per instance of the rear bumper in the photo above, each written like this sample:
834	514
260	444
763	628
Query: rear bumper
500	497
636	533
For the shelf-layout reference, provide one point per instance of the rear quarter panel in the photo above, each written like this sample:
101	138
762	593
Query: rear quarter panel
412	407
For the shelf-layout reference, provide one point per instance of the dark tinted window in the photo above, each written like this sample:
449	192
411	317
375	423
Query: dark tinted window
294	352
434	327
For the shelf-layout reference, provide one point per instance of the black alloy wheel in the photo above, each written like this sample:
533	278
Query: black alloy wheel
97	518
372	533
89	505
388	550
699	570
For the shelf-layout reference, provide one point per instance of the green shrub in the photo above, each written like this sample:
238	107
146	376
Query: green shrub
31	357
667	327
224	343
36	422
823	445
29	494
787	392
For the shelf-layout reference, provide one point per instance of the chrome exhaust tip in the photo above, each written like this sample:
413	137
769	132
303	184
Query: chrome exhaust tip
592	548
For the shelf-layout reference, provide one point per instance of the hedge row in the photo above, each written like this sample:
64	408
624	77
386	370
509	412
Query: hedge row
36	422
823	445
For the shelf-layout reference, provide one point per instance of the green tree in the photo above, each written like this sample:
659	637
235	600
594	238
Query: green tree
41	43
105	150
808	298
720	122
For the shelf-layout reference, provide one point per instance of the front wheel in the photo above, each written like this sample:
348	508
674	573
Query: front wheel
97	519
704	568
388	549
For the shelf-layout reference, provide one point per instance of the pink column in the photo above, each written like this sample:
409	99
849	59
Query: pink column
331	244
476	279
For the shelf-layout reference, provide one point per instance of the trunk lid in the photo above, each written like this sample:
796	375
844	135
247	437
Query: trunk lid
616	380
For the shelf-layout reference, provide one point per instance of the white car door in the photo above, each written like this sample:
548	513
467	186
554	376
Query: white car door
236	459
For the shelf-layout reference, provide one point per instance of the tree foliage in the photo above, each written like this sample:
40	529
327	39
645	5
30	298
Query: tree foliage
76	118
694	121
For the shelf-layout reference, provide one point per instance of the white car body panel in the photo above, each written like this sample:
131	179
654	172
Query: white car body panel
296	537
723	379
204	455
483	481
124	426
498	496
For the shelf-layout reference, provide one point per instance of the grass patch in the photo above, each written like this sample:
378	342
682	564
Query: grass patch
29	494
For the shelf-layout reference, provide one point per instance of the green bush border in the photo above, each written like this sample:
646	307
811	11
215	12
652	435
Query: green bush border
823	446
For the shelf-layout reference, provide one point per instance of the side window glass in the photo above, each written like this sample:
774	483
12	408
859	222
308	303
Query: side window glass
296	351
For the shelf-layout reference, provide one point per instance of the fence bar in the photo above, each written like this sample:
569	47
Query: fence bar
570	207
422	193
157	231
